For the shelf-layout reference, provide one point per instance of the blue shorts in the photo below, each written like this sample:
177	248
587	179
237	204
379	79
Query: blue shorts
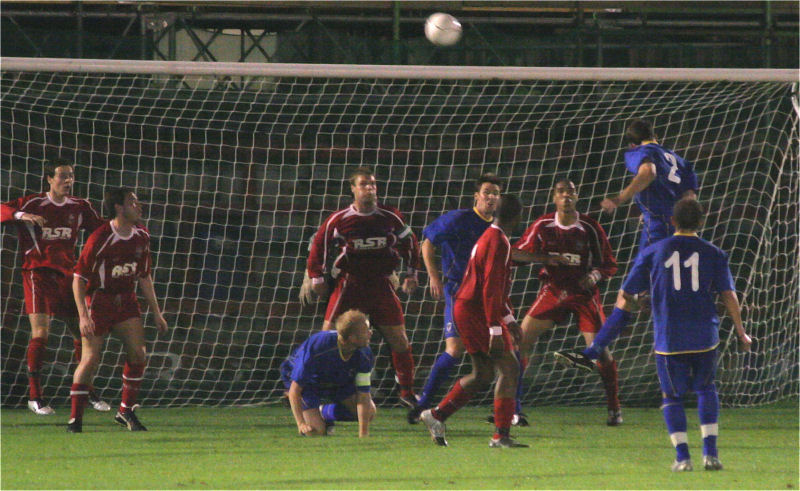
450	290
313	395
690	371
653	231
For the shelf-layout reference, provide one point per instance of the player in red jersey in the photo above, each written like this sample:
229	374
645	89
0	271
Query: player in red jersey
488	329
571	287
361	246
116	257
47	228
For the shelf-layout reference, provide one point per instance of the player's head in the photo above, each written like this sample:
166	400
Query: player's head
59	174
487	194
122	203
639	131
565	195
688	215
508	212
364	186
353	328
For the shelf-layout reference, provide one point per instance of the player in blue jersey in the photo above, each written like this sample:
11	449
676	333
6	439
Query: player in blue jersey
683	272
661	179
336	366
454	234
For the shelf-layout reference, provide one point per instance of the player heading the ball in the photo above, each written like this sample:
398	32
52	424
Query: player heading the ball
360	247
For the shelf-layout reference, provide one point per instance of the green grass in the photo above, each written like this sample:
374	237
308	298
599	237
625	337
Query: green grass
259	448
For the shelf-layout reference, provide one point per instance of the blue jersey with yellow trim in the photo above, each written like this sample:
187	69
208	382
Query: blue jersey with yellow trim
683	273
674	176
455	233
318	363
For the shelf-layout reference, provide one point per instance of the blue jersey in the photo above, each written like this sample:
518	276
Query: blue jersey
674	176
454	234
683	273
318	364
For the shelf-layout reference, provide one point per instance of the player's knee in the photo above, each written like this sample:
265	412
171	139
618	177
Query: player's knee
137	356
671	400
606	356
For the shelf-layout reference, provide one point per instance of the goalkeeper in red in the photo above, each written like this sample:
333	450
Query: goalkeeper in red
683	273
487	327
571	286
115	259
360	247
48	225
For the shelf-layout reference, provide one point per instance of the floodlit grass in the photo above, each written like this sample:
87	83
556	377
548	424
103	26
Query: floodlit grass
259	448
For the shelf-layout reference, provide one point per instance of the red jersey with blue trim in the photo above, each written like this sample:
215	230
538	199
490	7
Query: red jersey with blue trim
487	281
584	243
52	245
114	263
365	245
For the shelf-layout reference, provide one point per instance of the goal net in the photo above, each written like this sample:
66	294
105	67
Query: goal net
238	164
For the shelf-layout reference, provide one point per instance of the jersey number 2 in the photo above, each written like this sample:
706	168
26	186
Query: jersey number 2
693	262
673	169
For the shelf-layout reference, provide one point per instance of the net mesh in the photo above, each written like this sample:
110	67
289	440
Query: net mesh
238	172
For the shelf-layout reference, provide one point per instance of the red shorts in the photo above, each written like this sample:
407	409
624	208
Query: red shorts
471	325
109	309
376	298
556	305
48	291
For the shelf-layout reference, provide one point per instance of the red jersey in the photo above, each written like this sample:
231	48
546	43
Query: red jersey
487	280
53	245
584	243
113	263
365	245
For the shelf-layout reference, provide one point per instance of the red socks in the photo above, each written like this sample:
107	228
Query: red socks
503	414
609	374
79	394
404	369
36	348
452	402
131	380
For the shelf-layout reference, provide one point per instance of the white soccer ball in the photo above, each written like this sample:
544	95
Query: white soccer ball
442	29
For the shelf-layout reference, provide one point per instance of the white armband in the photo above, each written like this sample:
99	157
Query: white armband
18	215
495	331
317	280
509	319
363	379
596	275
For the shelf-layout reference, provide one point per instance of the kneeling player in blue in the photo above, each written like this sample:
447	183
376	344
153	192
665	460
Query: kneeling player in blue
683	272
335	366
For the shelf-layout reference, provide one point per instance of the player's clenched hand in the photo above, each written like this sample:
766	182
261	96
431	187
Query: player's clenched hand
409	285
589	280
609	204
321	289
87	326
436	288
307	295
161	324
34	219
745	342
305	429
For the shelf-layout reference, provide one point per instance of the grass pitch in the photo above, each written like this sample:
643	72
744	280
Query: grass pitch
259	448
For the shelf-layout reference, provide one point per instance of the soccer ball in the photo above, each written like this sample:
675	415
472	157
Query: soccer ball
442	29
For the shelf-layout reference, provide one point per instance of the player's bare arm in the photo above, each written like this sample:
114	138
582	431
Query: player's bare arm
85	320
646	175
296	401
731	302
366	411
146	284
434	277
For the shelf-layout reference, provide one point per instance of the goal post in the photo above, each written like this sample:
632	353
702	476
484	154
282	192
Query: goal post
239	163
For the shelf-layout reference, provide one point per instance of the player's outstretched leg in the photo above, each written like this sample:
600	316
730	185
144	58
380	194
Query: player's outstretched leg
609	376
435	427
440	374
574	359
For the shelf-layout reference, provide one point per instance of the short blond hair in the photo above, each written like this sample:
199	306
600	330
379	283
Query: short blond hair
349	322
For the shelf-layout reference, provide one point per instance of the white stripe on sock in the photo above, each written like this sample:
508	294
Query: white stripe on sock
678	437
709	430
79	392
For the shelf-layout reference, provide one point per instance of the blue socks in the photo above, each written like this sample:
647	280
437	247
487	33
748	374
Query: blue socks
675	417
608	333
440	373
708	411
337	412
